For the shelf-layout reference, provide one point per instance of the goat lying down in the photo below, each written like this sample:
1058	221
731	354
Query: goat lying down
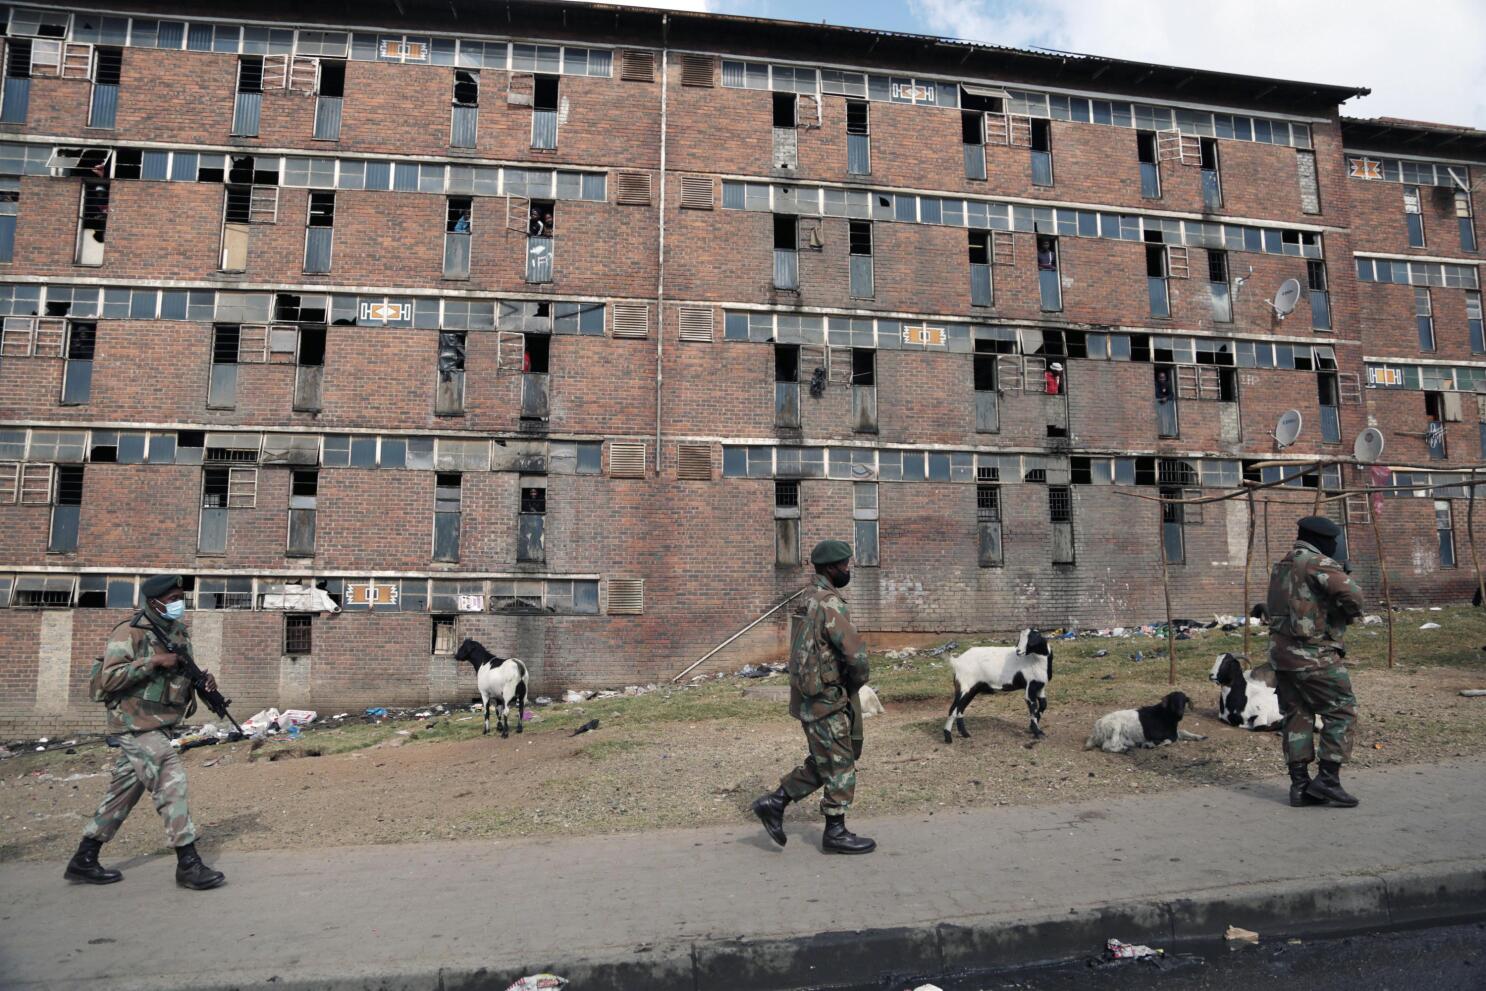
500	679
1149	726
1029	665
1244	698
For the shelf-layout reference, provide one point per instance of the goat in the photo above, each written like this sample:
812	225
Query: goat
1243	697
500	679
1149	726
998	669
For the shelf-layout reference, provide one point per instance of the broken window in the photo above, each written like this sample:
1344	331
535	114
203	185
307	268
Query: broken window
988	523
787	385
309	370
860	239
532	519
858	139
66	509
1150	164
297	639
980	268
1317	290
464	123
16	97
92	223
544	105
786	251
1042	152
446	511
1049	282
329	96
249	101
319	233
449	391
786	523
1413	216
1424	317
972	137
222	390
304	489
443	635
457	235
1155	280
1218	288
785	110
43	592
104	105
77	376
987	398
1212	185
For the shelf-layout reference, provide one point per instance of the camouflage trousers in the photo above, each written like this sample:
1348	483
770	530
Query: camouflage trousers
1324	692
147	762
830	766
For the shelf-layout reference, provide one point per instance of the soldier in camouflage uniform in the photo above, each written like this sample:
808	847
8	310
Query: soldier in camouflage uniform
827	669
1311	601
137	680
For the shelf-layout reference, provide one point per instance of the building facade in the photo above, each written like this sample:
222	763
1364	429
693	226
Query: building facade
571	329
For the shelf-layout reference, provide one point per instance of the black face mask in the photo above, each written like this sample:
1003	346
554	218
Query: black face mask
1326	545
839	577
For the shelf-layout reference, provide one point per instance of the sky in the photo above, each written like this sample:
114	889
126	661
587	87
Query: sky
1424	60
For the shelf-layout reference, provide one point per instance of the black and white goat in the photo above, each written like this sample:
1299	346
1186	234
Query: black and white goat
501	680
1243	697
1149	726
1029	665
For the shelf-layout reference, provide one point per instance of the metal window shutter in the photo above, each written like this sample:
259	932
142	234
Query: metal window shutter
626	459
304	74
1359	509
637	66
17	337
694	462
263	205
50	335
1034	372
1178	262
10	482
631	320
1003	248
36	484
275	71
626	596
1019	130
242	488
77	61
632	188
696	323
1349	388
46	57
1186	382
698	70
252	344
998	129
697	192
1009	373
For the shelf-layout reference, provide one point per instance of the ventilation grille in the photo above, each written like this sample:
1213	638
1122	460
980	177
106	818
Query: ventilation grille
696	323
627	459
633	188
631	320
637	67
694	462
698	70
696	192
626	596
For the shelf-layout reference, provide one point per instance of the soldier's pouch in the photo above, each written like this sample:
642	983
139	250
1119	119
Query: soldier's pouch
177	691
95	682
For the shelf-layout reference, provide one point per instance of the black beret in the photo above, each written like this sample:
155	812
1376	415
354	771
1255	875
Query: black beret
1320	526
158	585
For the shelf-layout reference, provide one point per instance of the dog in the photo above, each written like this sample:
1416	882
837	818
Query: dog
1148	726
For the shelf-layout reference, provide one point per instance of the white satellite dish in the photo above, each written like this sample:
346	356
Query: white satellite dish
1287	430
1286	299
1368	447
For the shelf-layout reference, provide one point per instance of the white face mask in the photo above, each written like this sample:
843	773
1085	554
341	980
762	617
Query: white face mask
174	610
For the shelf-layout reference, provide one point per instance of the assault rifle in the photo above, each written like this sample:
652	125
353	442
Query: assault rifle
213	698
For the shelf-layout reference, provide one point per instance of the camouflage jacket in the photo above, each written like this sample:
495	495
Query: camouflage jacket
827	660
1311	601
140	697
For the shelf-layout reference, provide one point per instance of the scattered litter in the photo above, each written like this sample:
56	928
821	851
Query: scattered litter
590	725
572	696
1372	620
543	700
1101	653
404	732
900	655
754	671
1473	693
1430	626
1108	677
1114	949
1138	656
1237	935
377	712
943	648
538	982
296	717
871	704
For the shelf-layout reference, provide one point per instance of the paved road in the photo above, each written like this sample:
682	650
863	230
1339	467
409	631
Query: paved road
696	906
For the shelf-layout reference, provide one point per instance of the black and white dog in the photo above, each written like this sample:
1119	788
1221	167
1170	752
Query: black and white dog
1148	726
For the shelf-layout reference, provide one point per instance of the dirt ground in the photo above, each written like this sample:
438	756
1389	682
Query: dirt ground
699	755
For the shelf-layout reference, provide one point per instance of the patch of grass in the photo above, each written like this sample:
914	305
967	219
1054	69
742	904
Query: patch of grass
600	750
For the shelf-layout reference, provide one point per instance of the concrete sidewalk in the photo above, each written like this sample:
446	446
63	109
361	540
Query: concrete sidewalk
712	909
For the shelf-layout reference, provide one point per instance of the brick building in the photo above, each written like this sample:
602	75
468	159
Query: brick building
571	328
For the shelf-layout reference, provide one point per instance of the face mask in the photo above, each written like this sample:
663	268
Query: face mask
1326	545
840	579
174	610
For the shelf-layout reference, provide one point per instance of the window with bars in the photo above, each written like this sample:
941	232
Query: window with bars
297	634
104	103
248	103
222	386
1413	215
443	635
988	524
1060	514
1318	290
786	522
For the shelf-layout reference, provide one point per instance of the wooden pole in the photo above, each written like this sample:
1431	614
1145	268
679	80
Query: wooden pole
1387	592
1248	563
1268	555
1470	532
1166	591
1316	505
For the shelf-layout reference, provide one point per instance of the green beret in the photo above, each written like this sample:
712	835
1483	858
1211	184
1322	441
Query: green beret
158	585
1320	526
830	552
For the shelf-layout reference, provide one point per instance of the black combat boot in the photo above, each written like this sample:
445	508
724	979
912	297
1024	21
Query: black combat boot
84	867
839	839
1328	787
1300	780
770	812
190	872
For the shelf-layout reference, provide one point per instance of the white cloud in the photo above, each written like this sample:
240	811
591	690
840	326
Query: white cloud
1422	61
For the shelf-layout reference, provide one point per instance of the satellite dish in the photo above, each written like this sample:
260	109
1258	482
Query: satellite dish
1285	300
1287	430
1368	446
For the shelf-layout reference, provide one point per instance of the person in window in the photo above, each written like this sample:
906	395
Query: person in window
547	223
462	223
534	223
1053	378
1163	387
1047	258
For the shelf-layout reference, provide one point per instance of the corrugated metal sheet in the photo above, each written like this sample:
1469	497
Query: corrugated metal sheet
456	256
861	276
245	114
975	162
980	285
858	154
786	269
544	128
16	101
987	412
317	247
328	118
539	259
105	107
463	127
